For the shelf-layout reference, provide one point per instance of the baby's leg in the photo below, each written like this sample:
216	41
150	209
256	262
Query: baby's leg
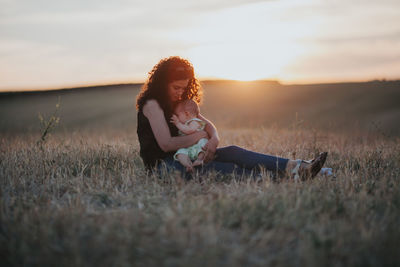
199	160
185	161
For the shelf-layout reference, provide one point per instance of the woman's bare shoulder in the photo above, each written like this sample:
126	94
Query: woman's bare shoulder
151	103
150	107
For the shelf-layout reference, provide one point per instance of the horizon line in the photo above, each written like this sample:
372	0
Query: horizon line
122	83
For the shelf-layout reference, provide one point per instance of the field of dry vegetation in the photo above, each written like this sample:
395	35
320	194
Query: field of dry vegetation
82	197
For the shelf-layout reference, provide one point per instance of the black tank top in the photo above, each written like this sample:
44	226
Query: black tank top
150	151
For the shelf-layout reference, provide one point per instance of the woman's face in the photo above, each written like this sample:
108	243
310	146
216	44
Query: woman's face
176	89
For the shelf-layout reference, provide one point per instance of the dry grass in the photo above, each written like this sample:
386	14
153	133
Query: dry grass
82	197
85	200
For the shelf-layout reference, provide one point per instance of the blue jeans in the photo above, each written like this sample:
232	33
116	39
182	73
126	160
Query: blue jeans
235	160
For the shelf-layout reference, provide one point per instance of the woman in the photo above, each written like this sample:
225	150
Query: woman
172	80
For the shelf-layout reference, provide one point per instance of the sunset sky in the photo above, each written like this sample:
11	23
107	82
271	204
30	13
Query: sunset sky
66	43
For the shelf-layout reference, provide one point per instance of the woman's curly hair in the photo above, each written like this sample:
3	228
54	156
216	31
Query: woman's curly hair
164	72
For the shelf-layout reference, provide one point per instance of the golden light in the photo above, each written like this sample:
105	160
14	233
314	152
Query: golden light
247	43
244	62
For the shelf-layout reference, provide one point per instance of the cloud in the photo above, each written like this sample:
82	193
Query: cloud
366	38
10	8
372	60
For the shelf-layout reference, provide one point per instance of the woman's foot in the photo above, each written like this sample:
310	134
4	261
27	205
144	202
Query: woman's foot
327	172
304	170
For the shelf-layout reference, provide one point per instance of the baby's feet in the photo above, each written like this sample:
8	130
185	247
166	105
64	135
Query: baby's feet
197	162
189	168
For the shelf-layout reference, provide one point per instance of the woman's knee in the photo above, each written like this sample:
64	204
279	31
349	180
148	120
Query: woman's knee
228	153
232	149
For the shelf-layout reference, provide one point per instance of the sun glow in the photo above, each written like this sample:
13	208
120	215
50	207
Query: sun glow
244	62
225	46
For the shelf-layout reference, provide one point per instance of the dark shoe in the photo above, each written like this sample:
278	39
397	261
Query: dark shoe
302	173
317	163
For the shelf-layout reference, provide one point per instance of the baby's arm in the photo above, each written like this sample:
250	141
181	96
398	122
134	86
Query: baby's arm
192	127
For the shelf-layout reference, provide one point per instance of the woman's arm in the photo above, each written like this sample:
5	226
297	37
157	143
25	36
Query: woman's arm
186	129
159	126
212	144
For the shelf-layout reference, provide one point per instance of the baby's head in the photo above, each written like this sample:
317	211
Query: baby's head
187	109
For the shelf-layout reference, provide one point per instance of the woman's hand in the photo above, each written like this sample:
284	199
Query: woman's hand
210	149
202	134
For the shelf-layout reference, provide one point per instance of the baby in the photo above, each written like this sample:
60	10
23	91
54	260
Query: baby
187	122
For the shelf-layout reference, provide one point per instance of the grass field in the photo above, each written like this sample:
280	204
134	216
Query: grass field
83	198
371	107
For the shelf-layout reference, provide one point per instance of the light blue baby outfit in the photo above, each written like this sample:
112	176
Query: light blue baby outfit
194	150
